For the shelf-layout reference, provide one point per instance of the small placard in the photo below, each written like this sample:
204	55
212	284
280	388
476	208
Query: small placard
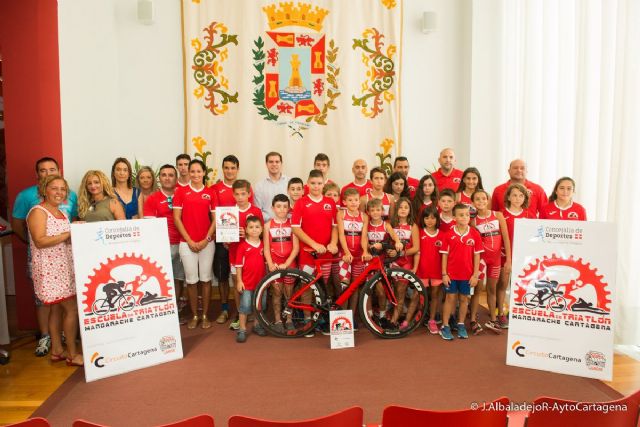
341	328
227	224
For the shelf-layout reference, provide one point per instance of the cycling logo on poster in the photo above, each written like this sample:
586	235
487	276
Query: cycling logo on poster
563	290
126	289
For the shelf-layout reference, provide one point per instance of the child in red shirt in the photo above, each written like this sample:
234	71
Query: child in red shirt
241	194
446	201
281	248
561	204
430	264
249	271
314	224
461	251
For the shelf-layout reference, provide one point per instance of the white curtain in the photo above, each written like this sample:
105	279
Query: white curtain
557	83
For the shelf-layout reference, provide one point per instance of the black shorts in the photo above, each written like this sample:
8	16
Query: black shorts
221	268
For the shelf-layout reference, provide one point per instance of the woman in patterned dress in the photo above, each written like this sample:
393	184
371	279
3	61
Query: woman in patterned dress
52	267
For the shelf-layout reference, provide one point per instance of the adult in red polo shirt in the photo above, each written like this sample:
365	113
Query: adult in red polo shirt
360	181
518	175
447	176
401	164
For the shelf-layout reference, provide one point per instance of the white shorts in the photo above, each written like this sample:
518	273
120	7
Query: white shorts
198	266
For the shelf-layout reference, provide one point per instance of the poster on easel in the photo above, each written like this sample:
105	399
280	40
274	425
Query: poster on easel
562	297
341	329
126	296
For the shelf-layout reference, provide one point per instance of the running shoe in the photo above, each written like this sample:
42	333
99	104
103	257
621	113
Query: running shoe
235	325
259	330
445	333
433	327
493	326
462	331
44	345
504	323
241	336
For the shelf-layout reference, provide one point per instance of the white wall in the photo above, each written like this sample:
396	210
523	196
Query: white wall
120	84
435	83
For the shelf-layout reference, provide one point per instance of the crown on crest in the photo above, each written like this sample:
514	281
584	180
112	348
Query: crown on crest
302	15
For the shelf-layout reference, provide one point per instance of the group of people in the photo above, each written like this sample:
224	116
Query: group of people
445	227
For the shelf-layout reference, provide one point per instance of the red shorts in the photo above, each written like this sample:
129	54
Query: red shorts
431	282
490	268
307	263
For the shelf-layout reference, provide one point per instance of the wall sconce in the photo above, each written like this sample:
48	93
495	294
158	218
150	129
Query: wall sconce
429	22
145	12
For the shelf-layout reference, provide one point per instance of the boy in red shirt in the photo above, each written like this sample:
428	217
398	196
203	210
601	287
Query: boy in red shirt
314	224
281	248
249	271
461	250
446	201
241	194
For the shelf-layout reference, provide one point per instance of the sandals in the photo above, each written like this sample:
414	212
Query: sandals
59	357
71	361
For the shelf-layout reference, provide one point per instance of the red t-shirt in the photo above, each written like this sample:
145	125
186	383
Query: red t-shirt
575	212
196	206
225	194
451	181
158	206
251	259
537	198
242	223
353	226
421	209
460	249
430	265
445	225
181	185
316	218
510	219
280	238
413	184
489	229
363	189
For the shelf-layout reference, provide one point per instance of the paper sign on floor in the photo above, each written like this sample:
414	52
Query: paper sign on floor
341	328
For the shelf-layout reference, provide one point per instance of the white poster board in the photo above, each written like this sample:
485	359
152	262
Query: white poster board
341	329
126	300
562	297
227	224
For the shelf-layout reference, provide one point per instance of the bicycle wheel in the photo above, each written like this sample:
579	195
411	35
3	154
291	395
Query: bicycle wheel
271	303
100	306
127	302
531	301
557	304
372	302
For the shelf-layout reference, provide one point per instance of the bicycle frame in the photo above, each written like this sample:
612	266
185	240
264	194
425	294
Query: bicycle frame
375	264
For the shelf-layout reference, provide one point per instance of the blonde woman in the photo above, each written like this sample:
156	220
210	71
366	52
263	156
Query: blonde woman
146	183
52	266
96	199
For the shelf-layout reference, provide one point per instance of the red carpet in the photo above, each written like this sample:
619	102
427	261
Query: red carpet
302	378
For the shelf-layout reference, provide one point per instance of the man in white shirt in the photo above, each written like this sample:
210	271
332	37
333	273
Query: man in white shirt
274	183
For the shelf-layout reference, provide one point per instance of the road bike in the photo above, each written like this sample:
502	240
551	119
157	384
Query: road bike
289	303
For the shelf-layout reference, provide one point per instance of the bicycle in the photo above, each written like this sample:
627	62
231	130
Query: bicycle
553	299
125	301
271	297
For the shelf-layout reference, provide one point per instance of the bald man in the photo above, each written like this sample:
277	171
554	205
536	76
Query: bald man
447	176
360	181
518	175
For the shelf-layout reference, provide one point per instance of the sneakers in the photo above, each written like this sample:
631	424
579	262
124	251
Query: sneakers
206	323
433	327
235	325
475	328
504	323
462	331
311	332
404	325
493	326
445	333
241	336
43	347
324	329
193	322
384	323
259	330
279	328
223	317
